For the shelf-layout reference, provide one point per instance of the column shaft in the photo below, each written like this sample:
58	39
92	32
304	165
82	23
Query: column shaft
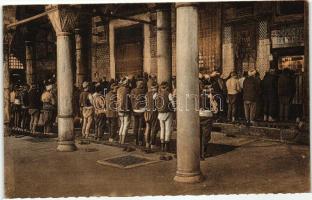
29	62
306	98
65	93
80	67
164	63
188	132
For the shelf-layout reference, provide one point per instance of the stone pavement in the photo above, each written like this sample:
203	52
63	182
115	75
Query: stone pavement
33	168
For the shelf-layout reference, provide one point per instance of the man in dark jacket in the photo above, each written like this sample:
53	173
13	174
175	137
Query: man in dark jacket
269	94
250	94
34	107
286	89
25	118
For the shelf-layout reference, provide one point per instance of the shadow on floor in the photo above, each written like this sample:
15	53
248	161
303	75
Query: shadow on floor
219	149
37	140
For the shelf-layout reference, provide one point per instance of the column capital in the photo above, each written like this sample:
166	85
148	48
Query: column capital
63	18
186	4
63	33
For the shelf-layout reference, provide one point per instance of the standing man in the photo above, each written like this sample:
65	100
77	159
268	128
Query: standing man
48	108
87	109
99	111
34	107
164	104
233	88
251	88
286	90
24	108
17	108
123	108
111	112
240	101
218	89
206	116
150	117
12	99
138	108
269	95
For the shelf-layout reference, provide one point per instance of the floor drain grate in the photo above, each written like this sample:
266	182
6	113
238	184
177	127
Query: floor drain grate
127	161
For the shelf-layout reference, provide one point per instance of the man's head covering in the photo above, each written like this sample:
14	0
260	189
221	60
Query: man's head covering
97	84
214	73
233	74
124	81
139	83
164	85
85	84
153	76
154	86
113	86
49	87
252	72
206	76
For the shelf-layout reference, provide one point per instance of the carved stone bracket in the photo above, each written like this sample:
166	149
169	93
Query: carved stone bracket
63	19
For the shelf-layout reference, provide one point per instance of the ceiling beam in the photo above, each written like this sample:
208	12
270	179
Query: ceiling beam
27	20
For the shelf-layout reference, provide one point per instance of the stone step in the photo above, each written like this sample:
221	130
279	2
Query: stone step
287	132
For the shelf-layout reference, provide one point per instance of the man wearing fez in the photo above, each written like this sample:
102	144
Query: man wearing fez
123	108
150	117
138	108
233	88
87	109
34	107
48	108
99	111
111	111
164	103
206	118
251	88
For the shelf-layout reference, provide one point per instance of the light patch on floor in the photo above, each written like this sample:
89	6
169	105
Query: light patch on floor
127	161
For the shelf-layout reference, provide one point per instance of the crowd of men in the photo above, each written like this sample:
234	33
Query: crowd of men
110	106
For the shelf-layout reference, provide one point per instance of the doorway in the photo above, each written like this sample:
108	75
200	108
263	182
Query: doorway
129	50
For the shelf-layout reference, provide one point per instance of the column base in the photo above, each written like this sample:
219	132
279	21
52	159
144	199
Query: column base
66	146
188	177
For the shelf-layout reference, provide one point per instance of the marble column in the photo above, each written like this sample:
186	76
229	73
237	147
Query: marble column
29	62
80	63
164	59
63	21
188	132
